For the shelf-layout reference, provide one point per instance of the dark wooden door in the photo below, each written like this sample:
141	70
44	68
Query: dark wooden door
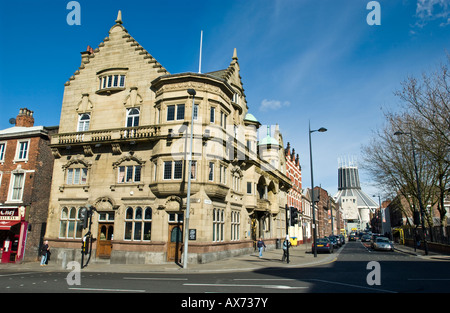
175	243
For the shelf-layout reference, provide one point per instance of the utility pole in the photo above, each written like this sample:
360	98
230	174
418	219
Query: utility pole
188	199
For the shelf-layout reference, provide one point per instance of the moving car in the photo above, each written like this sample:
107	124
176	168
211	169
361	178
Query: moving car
374	236
382	243
353	236
366	238
323	245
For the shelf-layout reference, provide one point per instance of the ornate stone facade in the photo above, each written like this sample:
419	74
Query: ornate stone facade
122	148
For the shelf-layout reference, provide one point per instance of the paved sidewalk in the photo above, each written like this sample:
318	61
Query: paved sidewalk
298	256
421	253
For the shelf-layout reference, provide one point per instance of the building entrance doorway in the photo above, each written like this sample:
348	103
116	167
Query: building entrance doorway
175	243
104	242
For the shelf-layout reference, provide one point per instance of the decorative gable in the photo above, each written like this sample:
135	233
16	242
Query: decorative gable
118	39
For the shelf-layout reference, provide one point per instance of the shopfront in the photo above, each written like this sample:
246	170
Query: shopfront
13	234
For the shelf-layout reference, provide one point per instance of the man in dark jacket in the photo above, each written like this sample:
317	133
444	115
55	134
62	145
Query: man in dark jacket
261	245
44	253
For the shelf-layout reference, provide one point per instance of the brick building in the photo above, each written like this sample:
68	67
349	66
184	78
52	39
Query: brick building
328	214
294	196
26	164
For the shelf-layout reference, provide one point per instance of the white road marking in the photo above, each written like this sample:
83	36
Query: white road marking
238	285
154	278
350	285
109	290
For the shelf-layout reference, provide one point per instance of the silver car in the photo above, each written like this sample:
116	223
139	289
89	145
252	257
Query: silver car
382	243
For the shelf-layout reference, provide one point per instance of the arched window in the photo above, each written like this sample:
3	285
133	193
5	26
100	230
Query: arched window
70	223
83	122
133	117
138	224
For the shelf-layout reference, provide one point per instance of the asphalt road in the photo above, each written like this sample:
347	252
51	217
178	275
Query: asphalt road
357	269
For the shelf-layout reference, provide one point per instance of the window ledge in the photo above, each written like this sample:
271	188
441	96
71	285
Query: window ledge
139	186
84	186
109	91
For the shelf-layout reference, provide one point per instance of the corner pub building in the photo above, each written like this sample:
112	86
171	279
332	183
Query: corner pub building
122	147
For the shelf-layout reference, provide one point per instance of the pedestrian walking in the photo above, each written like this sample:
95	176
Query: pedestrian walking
286	245
261	245
44	253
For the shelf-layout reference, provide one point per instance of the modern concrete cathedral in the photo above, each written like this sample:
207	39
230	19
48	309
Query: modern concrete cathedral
355	203
122	147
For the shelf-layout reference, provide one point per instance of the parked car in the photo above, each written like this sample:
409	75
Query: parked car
338	240
366	238
323	245
333	241
382	243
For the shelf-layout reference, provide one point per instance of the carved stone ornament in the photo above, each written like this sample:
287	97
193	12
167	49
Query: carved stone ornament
77	160
133	98
105	204
85	104
88	150
56	153
116	148
129	157
174	203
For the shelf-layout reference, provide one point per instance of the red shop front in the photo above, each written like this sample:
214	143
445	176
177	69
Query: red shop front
13	234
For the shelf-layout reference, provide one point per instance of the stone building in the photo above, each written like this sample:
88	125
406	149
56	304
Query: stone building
122	148
26	164
306	216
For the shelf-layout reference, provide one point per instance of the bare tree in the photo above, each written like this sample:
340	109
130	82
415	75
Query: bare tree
426	119
428	103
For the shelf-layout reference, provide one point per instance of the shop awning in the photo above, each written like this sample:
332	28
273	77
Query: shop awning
6	225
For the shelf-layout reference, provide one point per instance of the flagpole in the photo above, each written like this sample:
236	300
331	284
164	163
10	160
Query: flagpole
200	60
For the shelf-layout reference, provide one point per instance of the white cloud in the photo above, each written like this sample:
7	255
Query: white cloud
267	105
429	10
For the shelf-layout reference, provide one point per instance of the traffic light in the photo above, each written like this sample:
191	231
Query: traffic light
84	217
294	216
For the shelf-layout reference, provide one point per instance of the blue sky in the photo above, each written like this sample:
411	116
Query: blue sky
301	60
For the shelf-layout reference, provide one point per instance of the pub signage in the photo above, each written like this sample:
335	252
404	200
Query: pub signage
9	214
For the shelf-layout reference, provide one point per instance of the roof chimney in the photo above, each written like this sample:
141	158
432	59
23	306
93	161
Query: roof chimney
25	118
85	54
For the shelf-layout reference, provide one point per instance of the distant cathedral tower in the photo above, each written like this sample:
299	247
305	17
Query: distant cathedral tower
356	204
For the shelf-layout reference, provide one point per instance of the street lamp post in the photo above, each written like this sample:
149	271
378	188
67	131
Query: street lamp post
188	199
419	195
322	129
